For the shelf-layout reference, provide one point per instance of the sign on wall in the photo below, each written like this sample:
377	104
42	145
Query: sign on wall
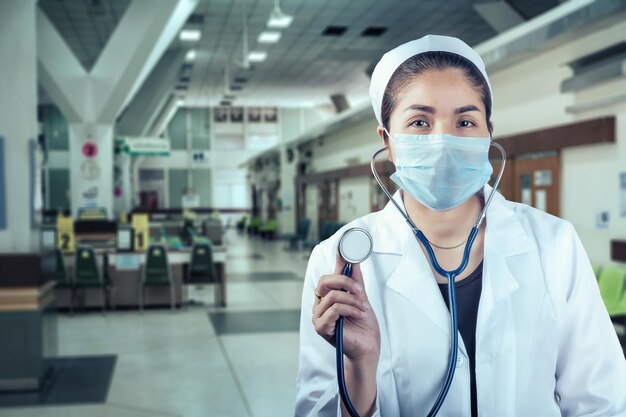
200	159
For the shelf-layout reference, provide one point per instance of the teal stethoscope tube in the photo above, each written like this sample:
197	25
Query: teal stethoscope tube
449	275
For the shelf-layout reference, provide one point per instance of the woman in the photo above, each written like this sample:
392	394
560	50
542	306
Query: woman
535	338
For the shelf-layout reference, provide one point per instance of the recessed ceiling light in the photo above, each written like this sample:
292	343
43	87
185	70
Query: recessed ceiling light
269	37
190	55
257	56
279	20
190	35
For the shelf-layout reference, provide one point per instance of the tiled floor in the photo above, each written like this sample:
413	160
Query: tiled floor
201	361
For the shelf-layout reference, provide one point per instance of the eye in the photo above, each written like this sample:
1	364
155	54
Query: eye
466	123
418	123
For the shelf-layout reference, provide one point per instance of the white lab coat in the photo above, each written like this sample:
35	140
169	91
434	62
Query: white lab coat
545	345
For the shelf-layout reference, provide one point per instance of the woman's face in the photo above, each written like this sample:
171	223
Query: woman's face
437	102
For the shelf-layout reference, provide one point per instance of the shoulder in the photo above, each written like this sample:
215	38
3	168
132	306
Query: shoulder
545	228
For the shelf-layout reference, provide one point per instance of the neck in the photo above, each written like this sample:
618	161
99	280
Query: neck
445	228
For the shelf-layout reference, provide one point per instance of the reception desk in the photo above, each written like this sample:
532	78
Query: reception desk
28	332
123	272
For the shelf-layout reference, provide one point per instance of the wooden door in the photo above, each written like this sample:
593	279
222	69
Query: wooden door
328	209
537	181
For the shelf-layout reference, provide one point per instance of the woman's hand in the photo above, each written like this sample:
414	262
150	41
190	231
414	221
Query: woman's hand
361	334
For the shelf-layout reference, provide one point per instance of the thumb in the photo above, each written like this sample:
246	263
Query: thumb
340	263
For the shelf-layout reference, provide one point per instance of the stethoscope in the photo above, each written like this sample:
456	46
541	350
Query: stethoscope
355	246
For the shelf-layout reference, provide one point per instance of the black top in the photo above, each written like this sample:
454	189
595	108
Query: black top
467	299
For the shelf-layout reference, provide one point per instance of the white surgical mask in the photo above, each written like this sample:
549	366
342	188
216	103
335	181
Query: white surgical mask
441	171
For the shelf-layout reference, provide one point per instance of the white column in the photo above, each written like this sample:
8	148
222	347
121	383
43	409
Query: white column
91	101
18	119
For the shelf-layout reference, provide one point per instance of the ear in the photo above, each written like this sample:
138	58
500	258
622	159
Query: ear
385	139
491	127
380	131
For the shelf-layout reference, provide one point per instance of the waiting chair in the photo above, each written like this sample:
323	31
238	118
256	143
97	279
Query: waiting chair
612	281
253	227
86	272
202	271
156	272
62	278
302	230
268	230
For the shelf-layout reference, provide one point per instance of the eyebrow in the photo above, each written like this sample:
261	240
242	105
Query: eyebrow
466	109
431	110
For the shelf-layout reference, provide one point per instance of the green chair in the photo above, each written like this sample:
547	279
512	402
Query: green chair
202	271
156	273
86	272
612	281
62	278
268	230
255	224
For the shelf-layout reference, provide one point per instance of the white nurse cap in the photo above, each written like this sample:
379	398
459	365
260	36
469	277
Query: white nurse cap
429	43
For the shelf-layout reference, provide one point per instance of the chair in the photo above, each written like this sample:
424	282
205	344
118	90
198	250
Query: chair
156	272
302	230
86	272
62	278
253	227
612	281
241	224
202	271
268	230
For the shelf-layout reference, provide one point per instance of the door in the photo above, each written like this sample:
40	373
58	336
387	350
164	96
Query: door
537	181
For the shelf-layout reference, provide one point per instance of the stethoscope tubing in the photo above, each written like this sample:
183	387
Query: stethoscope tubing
449	275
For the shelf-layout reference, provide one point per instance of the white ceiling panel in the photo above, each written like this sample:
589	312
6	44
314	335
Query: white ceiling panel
304	66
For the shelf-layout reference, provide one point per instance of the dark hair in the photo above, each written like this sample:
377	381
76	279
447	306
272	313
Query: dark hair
429	61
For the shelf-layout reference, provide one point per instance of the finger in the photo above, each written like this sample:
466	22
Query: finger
340	263
325	325
328	283
342	297
356	269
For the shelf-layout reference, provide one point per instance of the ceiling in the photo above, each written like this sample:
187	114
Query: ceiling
305	67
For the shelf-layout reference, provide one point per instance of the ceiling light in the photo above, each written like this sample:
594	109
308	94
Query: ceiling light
180	102
190	35
191	55
278	19
257	56
269	37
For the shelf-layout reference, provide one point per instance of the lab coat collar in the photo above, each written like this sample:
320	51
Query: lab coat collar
391	230
412	279
504	229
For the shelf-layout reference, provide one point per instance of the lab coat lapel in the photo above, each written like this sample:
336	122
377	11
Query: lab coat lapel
505	239
412	279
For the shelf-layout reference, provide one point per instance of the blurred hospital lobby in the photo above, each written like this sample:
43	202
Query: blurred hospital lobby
167	166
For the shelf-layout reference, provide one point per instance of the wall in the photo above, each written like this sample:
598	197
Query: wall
354	198
590	174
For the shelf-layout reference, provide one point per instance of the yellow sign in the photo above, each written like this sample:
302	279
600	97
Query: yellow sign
65	234
141	226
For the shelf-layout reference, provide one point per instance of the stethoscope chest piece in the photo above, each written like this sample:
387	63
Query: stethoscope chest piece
355	245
